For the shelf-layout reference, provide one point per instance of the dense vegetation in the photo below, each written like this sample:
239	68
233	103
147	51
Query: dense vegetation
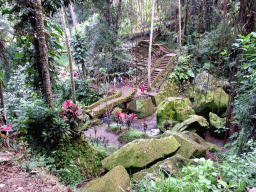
38	80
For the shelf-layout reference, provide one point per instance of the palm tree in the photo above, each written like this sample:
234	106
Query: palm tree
43	55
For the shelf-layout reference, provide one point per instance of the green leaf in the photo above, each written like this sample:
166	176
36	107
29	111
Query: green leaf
1	74
19	55
245	66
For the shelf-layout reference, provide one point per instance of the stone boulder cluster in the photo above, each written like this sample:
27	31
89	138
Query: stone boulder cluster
143	157
176	147
210	104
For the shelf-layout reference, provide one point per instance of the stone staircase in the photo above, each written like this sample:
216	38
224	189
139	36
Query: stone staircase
161	67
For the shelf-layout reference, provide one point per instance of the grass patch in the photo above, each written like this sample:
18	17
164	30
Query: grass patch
131	135
113	128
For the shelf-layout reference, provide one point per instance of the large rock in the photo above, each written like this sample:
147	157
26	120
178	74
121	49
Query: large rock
194	123
211	101
141	152
143	108
215	121
195	137
189	148
173	109
170	89
205	82
171	165
116	180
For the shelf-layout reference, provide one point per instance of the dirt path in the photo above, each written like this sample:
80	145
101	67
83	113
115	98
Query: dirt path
125	91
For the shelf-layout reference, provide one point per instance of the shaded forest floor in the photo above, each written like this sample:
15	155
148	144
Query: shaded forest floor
14	175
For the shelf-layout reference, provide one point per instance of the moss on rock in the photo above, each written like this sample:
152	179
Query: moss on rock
143	108
171	165
195	123
141	152
189	148
211	147
215	102
205	82
117	180
173	109
170	89
215	121
195	137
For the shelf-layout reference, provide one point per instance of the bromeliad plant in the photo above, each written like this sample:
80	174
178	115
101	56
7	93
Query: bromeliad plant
73	115
125	118
119	119
128	119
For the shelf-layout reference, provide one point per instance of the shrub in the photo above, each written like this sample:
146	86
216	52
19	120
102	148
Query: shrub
42	127
84	94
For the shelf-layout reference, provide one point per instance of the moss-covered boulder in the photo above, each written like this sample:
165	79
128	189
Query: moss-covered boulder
141	152
173	109
215	121
194	123
116	180
211	101
170	89
195	137
143	107
211	147
171	165
205	82
189	148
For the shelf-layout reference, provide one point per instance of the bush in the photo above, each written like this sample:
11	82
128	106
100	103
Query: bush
245	103
42	127
74	161
84	94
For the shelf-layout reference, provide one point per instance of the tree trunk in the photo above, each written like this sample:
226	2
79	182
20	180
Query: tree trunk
73	16
150	43
84	70
119	15
44	55
110	22
69	57
247	16
179	24
3	119
2	52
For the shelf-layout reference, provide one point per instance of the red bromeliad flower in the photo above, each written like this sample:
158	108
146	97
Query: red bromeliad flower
118	114
126	115
7	128
133	116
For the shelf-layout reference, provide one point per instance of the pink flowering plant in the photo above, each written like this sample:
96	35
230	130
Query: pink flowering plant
5	134
72	114
128	119
119	119
125	118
